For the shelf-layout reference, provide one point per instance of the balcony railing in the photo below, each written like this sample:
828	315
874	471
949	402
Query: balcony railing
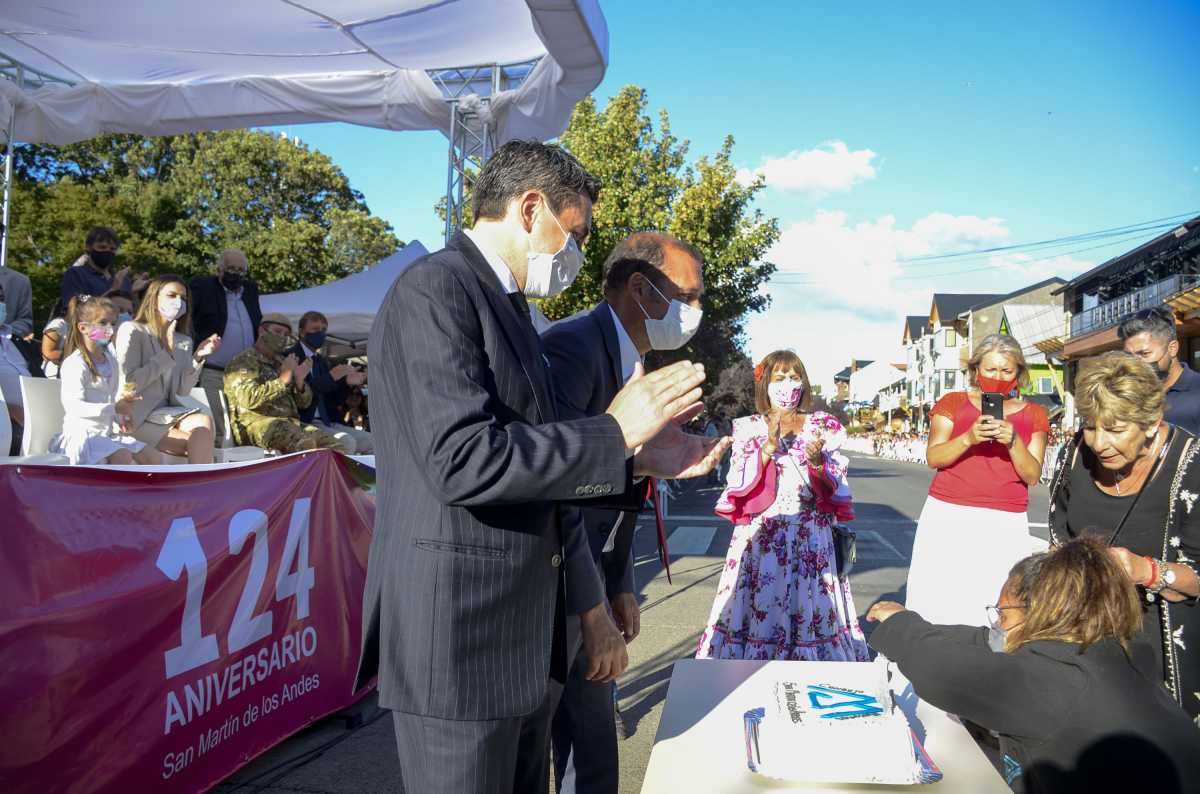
1112	312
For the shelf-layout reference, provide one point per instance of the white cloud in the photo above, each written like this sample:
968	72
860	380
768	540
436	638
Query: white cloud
841	290
829	168
945	232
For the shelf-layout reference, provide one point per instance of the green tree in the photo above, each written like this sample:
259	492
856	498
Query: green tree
650	185
178	201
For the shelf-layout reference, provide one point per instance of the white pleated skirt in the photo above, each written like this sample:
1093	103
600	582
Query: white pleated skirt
961	558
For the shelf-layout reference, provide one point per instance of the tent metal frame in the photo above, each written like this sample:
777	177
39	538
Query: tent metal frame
23	76
472	132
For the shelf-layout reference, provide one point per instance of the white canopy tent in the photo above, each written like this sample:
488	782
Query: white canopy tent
350	303
165	67
481	71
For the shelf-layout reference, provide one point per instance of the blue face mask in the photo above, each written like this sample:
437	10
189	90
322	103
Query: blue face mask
124	317
997	638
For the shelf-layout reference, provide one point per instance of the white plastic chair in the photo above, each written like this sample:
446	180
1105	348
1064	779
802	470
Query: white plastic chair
225	452
43	421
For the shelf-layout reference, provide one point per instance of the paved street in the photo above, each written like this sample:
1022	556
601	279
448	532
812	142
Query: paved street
888	499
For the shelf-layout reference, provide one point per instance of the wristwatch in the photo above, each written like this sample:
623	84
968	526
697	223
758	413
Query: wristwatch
1166	578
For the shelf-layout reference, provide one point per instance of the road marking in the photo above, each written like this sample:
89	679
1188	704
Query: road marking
1043	526
686	541
876	537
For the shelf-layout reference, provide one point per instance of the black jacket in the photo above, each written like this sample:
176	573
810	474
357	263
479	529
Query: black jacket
210	310
472	548
332	392
1068	721
585	359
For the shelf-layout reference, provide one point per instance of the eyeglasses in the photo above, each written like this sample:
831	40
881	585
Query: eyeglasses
993	614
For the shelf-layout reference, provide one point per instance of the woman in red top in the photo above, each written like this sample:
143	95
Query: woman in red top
973	528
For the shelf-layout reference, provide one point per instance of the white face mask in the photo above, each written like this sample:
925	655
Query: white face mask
785	394
171	308
546	275
676	327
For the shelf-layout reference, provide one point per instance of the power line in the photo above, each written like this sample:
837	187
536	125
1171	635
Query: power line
1116	231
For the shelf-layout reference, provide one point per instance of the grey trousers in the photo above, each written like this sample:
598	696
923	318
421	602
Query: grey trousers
439	756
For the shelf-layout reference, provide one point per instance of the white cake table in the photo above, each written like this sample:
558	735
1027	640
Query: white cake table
700	745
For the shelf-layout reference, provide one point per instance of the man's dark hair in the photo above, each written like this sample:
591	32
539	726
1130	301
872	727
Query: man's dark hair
311	316
1159	322
643	253
102	234
518	166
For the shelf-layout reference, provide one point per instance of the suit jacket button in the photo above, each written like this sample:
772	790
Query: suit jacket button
589	489
556	560
579	490
607	487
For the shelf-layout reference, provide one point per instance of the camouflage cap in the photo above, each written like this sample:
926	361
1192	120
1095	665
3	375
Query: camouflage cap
277	319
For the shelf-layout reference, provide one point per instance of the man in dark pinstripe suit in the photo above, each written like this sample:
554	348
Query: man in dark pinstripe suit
592	356
463	616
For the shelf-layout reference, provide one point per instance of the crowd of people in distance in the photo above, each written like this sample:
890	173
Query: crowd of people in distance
128	350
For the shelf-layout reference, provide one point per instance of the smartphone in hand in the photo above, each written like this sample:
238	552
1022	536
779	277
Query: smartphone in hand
993	405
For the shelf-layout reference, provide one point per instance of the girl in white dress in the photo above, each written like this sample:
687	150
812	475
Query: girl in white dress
93	416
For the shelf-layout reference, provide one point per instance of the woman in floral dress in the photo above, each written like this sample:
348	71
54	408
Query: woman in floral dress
780	595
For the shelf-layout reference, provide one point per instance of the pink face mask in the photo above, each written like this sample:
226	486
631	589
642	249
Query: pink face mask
785	394
100	334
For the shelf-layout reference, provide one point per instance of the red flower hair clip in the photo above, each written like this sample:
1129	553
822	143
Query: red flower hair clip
758	371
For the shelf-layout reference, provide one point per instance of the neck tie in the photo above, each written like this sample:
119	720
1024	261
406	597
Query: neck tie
317	369
522	306
663	554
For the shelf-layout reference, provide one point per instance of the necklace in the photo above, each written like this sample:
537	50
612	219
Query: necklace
1117	477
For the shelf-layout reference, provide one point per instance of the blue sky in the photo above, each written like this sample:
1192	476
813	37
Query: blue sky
888	131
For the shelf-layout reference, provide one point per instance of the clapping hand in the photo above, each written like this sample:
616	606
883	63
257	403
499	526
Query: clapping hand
676	455
340	371
208	347
301	370
139	282
813	450
648	403
356	378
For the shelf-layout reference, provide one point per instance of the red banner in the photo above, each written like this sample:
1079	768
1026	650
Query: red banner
161	629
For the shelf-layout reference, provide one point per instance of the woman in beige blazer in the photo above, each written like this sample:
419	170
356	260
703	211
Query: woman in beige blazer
159	366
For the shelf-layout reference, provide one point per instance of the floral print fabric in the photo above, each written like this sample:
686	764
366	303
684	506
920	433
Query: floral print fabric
780	596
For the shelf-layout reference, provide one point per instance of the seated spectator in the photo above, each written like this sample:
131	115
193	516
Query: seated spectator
353	411
1053	678
267	387
159	366
92	273
123	301
18	299
226	304
94	420
54	337
12	367
330	385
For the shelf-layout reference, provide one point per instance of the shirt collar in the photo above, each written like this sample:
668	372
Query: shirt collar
307	351
1186	381
507	280
629	353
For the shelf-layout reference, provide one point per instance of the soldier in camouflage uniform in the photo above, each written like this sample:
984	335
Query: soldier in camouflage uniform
266	390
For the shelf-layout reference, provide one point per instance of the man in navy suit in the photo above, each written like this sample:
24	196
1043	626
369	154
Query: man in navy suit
653	285
477	544
330	384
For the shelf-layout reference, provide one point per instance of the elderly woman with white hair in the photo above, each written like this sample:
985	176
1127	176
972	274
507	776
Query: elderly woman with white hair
973	527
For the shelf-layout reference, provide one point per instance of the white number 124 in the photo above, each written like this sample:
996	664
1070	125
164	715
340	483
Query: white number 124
181	552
